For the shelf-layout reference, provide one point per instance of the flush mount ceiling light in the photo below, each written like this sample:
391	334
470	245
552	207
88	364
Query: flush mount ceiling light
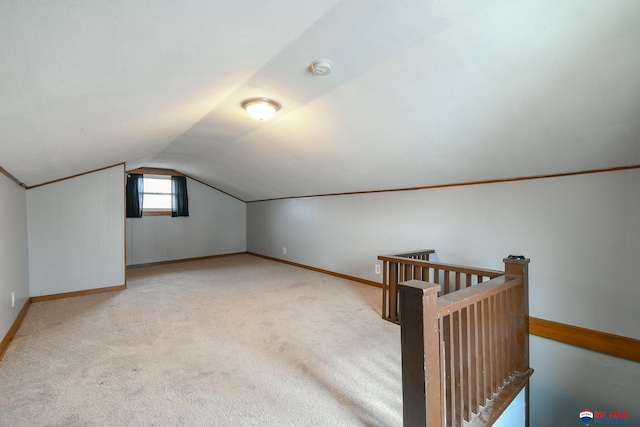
261	108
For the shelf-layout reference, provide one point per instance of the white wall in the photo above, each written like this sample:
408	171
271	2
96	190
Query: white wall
76	233
216	225
514	415
581	232
14	257
568	379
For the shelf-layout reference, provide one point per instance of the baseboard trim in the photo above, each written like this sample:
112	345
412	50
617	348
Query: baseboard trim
51	297
11	333
319	270
173	261
602	342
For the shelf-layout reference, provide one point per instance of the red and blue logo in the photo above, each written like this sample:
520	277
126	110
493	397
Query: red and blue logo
604	417
586	416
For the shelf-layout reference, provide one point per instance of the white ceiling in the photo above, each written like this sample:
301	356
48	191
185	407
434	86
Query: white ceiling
422	92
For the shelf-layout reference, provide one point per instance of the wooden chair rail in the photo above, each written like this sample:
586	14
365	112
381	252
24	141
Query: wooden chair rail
613	345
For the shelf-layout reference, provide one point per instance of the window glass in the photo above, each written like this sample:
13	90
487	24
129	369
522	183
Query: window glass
157	193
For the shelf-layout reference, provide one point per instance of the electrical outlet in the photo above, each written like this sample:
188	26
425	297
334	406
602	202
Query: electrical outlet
13	299
284	251
377	268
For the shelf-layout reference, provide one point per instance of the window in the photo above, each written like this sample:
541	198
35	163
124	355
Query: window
157	195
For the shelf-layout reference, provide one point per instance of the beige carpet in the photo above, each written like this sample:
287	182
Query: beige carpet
235	341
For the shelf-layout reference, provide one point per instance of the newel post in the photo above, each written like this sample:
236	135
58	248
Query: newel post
420	353
518	265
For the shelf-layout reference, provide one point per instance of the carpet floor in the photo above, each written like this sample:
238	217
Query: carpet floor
233	341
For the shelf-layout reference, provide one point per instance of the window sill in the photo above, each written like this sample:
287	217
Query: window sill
156	213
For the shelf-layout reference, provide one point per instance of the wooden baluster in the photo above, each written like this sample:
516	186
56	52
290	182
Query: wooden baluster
475	358
457	281
482	351
498	327
514	330
385	290
467	362
420	340
456	367
436	279
506	337
487	349
494	346
468	280
444	357
447	278
393	291
449	368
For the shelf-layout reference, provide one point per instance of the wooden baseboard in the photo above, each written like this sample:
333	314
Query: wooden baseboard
319	270
173	261
78	293
11	333
602	342
609	344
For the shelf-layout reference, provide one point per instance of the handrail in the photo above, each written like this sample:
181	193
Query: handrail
419	253
484	272
416	265
456	301
465	354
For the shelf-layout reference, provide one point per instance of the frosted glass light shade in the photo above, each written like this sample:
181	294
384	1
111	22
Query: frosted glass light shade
261	108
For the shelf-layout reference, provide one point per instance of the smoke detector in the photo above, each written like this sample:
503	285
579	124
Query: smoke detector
321	67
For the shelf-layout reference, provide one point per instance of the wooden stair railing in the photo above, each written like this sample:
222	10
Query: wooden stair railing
417	266
465	354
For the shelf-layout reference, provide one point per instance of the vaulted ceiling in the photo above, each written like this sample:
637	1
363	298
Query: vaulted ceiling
423	92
